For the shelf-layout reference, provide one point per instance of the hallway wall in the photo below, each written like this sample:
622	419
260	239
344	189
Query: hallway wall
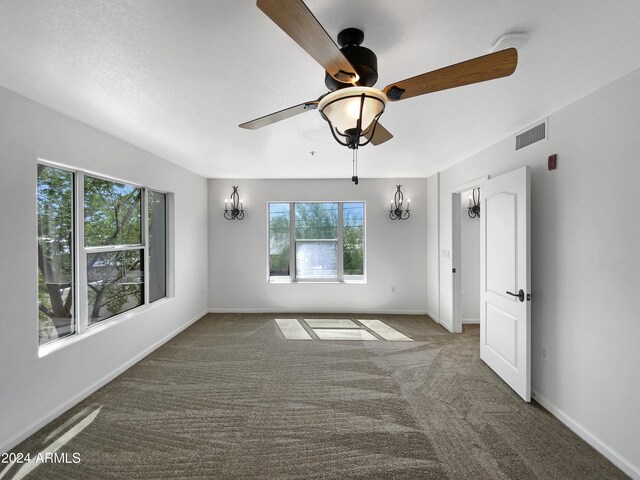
585	263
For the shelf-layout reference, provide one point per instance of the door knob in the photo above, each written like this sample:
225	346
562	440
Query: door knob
520	295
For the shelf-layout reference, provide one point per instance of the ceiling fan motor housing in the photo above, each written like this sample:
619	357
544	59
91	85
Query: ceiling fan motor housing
363	60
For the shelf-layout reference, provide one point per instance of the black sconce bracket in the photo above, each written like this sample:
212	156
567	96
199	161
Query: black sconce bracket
473	210
395	211
236	212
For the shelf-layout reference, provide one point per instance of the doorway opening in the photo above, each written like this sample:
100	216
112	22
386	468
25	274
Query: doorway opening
465	256
469	262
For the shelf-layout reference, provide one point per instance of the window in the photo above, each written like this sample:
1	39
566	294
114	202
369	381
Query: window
353	240
56	280
113	247
108	234
157	246
316	240
279	239
321	241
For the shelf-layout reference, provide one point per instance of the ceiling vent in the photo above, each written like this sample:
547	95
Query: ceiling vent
533	135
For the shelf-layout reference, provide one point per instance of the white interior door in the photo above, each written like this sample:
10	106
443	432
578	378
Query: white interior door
505	279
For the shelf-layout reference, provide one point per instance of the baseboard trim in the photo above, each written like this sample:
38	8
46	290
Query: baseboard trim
614	457
448	327
470	321
317	310
73	401
433	317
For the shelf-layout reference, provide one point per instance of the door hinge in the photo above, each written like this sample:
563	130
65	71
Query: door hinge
453	270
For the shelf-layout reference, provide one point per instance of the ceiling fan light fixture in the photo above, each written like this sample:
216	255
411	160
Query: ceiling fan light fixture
352	112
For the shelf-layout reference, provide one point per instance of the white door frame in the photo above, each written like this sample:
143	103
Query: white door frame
456	248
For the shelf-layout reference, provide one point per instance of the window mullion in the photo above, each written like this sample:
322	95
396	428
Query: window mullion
292	241
340	252
169	252
82	308
144	210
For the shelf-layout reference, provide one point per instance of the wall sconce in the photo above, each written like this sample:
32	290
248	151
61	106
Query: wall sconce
236	212
473	210
395	211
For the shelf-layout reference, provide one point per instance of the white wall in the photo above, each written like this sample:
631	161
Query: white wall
433	246
33	390
395	250
469	269
585	264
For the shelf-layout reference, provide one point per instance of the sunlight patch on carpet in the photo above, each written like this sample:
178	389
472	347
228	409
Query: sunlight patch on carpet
330	323
339	329
343	334
385	331
292	329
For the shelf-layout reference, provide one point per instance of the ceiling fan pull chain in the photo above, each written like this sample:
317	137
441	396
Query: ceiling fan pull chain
353	163
354	168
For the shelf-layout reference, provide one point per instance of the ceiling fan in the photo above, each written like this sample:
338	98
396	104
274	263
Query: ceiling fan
352	107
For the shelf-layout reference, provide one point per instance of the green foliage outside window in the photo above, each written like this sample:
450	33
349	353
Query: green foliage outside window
111	213
353	238
112	217
316	221
55	253
115	278
279	240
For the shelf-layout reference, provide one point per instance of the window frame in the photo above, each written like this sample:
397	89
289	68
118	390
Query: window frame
340	276
167	253
80	251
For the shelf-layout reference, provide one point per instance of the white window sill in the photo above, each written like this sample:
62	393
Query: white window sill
55	345
315	282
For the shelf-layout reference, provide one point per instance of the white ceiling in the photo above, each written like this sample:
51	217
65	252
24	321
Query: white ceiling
177	77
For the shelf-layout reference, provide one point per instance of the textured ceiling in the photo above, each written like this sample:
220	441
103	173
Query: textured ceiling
177	77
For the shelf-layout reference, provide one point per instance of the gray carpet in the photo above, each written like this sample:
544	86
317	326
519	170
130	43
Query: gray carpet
231	398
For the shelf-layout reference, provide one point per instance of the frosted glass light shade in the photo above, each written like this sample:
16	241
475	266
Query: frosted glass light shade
342	107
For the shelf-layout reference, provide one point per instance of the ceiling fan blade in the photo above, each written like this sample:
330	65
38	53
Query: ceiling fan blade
297	21
488	67
279	115
380	135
